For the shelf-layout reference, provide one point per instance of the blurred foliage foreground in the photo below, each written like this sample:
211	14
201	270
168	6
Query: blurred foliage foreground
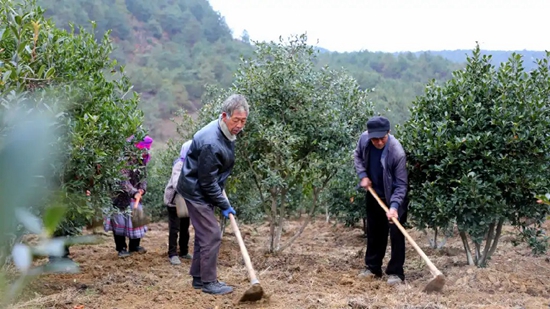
24	162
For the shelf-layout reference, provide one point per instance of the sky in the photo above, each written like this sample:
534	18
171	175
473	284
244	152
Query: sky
394	25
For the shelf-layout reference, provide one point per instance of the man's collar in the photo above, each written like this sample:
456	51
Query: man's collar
225	130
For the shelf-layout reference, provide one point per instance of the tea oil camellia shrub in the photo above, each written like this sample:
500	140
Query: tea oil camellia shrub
302	129
478	152
69	75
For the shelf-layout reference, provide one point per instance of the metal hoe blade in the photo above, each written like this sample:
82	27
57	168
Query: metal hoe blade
254	293
436	284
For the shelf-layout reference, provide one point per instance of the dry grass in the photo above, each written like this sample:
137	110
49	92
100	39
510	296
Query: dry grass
319	271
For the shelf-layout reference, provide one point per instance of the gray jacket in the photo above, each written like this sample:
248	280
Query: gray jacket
170	190
394	168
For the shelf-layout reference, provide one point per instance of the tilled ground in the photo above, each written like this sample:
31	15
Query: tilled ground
318	271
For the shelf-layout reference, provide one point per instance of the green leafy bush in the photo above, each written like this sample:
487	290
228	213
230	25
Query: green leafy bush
71	76
478	151
24	172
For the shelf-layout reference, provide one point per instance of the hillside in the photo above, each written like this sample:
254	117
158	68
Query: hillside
173	48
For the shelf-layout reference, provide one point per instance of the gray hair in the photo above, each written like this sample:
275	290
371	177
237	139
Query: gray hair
233	103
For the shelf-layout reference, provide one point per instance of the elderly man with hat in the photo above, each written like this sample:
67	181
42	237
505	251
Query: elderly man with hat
380	163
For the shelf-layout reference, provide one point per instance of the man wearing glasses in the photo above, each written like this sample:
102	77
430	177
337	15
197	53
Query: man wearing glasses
380	163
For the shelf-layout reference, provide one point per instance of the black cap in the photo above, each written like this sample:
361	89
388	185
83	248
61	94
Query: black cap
378	127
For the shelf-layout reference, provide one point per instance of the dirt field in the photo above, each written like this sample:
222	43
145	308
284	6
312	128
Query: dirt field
319	271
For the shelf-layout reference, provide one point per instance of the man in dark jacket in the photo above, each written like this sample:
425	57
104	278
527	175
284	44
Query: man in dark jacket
380	163
209	162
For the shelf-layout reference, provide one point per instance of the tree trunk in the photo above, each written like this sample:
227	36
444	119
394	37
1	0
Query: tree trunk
488	244
434	244
282	216
272	220
497	237
306	221
478	253
464	238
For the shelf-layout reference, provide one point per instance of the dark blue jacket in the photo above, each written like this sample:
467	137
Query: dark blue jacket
393	163
208	164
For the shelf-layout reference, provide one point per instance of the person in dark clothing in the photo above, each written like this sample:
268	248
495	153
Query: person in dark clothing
208	164
176	224
134	184
380	163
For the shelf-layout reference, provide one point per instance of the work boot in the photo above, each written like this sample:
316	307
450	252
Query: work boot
197	283
394	279
216	287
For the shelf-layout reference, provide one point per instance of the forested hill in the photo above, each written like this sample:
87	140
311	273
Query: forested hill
172	48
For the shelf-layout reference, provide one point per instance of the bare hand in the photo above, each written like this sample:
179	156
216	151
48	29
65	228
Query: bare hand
392	213
365	183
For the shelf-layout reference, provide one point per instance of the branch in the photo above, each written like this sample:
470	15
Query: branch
256	179
305	223
36	79
478	252
488	243
469	257
497	237
273	214
434	245
282	211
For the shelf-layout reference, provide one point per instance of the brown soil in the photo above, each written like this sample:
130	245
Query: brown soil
318	271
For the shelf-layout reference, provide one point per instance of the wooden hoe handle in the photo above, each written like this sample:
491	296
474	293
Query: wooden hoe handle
432	267
246	257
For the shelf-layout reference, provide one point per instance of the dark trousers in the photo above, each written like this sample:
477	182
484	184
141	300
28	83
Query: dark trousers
377	240
177	226
208	238
120	243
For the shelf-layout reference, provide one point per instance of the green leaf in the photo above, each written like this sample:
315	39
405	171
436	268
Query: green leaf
53	216
41	71
6	76
14	31
50	72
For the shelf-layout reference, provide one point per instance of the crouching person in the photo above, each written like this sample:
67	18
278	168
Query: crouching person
133	185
